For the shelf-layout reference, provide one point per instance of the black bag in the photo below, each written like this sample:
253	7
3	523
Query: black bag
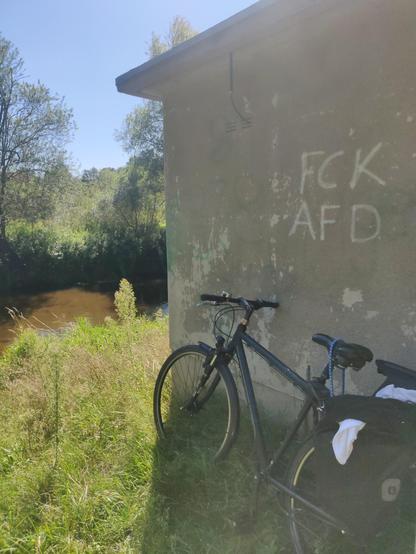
396	375
364	493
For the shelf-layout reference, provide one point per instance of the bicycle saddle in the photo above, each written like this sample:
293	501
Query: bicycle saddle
345	354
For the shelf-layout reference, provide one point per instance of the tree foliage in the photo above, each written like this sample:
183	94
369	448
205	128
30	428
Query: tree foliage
141	134
35	197
34	128
180	30
100	226
90	175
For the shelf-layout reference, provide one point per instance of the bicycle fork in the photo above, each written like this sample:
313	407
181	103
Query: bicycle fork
193	405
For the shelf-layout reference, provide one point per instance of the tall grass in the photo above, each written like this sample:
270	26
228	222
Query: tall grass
76	439
80	466
82	471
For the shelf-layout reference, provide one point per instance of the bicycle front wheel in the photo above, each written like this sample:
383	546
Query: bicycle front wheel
190	416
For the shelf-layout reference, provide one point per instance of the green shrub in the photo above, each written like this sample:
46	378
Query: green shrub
125	302
53	256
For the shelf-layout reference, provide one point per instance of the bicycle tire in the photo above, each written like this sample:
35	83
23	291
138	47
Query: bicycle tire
297	513
311	535
213	427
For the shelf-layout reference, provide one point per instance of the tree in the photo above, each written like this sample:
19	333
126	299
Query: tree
180	30
35	197
90	175
34	127
141	134
138	202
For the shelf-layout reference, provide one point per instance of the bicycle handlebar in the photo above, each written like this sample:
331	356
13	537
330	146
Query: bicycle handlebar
243	302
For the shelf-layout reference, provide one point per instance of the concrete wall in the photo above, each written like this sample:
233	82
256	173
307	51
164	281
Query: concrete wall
310	198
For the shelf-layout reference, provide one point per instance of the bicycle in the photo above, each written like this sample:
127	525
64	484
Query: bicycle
197	378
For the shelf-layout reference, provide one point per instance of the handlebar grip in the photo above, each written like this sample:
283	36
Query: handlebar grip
212	298
242	302
267	304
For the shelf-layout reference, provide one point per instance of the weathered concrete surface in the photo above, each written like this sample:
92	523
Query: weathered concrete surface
304	190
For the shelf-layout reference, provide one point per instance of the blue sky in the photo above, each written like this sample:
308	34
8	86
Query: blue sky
78	47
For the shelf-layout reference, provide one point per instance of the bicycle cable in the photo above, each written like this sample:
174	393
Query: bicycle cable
222	313
331	368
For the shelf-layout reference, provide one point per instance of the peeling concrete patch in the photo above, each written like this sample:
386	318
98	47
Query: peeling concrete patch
409	331
351	297
371	314
274	220
247	106
224	241
275	183
264	333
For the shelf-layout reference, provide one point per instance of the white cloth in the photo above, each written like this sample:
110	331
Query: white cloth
397	393
343	441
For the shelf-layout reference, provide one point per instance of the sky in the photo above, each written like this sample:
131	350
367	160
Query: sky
77	48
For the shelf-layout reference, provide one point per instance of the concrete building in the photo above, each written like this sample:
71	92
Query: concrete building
290	134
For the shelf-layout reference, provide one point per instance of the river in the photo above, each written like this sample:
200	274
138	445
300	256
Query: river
57	309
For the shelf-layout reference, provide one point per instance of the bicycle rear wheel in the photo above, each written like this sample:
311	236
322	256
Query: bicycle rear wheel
311	535
190	416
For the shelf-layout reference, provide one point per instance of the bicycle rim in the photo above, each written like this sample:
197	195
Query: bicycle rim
309	533
205	426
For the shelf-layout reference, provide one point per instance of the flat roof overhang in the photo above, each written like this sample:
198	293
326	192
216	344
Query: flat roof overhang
147	79
263	18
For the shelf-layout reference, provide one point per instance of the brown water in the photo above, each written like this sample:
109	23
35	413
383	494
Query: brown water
57	309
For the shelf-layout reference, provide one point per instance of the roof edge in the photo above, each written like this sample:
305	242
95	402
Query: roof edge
124	82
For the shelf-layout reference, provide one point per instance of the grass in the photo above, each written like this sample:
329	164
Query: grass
76	440
81	468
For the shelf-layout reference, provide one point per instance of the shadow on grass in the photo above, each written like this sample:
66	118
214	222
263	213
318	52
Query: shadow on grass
197	506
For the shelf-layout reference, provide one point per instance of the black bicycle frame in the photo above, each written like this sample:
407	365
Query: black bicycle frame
240	339
265	464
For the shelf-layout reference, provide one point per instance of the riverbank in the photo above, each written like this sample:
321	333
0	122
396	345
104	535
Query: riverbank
80	466
71	460
57	310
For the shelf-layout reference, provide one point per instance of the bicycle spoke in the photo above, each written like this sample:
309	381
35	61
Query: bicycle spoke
190	419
